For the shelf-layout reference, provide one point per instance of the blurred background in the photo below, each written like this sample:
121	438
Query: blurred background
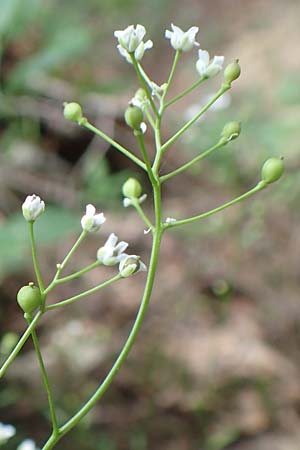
217	363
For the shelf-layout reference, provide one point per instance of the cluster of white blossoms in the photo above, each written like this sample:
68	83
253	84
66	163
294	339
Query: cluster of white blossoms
110	254
113	253
130	44
8	431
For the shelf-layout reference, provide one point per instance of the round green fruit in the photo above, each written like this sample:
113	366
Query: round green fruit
29	298
272	170
134	117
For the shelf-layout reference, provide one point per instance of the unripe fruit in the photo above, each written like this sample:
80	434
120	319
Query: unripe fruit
134	117
272	170
29	298
132	188
231	131
232	71
73	111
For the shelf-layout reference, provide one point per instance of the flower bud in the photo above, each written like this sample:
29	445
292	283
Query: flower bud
73	112
32	208
29	298
134	117
231	131
132	188
232	71
272	170
131	264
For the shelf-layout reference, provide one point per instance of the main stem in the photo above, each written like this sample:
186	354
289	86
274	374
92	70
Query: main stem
133	334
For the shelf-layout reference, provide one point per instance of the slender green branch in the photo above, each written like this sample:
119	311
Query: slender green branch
141	141
144	83
20	344
149	117
83	294
170	79
174	138
193	161
185	92
261	185
115	144
78	273
45	378
142	214
61	266
34	258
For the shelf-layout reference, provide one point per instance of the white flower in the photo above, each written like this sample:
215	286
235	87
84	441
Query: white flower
207	68
6	432
131	264
131	41
128	201
181	40
28	444
32	207
112	253
91	221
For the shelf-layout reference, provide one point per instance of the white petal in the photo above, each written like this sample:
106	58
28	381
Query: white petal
121	247
143	127
192	32
148	44
176	30
126	202
111	240
90	210
140	31
218	60
204	56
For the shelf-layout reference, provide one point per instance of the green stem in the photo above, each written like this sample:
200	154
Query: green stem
132	336
20	344
115	144
261	185
174	138
78	273
171	76
142	214
83	294
45	379
34	258
190	163
144	83
185	92
141	141
61	266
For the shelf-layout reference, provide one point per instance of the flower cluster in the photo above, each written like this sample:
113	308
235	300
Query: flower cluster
131	45
112	252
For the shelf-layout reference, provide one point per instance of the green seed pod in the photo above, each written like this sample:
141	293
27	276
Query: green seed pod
134	117
232	71
73	111
132	188
29	298
231	131
272	170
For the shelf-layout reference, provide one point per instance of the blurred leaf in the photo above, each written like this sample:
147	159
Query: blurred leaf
62	47
15	15
100	185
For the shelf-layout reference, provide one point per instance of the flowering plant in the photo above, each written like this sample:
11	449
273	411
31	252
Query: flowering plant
145	110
